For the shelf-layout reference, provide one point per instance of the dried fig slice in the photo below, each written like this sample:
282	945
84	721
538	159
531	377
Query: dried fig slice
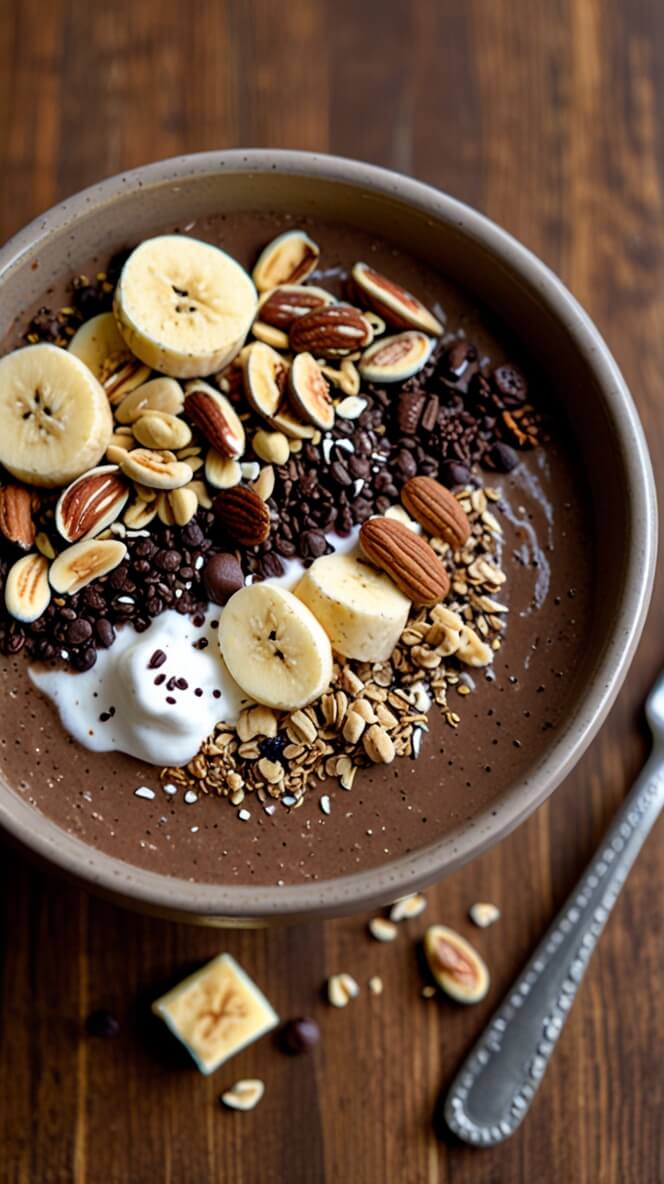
399	307
288	259
393	359
283	305
261	368
310	392
455	965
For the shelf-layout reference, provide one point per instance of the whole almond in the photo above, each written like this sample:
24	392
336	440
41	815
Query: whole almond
243	515
213	415
91	503
284	304
16	516
406	558
330	332
437	510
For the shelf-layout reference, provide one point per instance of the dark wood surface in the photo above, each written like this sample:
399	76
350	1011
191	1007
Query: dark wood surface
549	118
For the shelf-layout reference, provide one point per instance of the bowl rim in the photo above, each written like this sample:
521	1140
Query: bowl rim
154	891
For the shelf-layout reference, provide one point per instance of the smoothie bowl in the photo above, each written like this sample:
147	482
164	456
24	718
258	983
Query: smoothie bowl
327	535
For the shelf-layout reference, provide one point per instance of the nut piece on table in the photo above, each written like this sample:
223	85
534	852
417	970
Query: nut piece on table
393	359
455	965
437	510
406	558
215	1012
399	307
341	988
244	1095
288	259
381	929
484	914
408	907
27	590
91	503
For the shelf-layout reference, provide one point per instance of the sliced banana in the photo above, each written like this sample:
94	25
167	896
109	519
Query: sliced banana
184	307
360	609
84	562
222	472
274	647
55	418
27	590
100	345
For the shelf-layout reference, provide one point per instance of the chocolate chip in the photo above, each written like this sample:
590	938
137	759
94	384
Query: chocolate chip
78	632
103	1024
299	1035
452	473
510	384
340	474
83	660
502	457
222	576
161	678
158	658
272	747
313	544
167	560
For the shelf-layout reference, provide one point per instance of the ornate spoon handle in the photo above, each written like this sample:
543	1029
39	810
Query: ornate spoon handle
492	1092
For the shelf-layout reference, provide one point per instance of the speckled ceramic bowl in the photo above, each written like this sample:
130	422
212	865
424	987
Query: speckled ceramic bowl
504	275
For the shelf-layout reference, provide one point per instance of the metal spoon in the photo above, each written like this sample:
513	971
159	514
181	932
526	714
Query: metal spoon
494	1088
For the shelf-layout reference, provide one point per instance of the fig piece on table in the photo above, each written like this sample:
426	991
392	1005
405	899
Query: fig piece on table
310	392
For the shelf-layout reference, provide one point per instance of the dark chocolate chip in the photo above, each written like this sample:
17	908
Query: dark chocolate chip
102	1023
222	576
299	1035
502	457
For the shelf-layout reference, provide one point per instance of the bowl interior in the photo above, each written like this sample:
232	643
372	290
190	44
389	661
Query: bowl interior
489	264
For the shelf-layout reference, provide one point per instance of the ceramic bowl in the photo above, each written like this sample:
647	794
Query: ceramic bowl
504	276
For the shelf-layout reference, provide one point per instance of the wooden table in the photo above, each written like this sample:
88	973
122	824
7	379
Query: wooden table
546	117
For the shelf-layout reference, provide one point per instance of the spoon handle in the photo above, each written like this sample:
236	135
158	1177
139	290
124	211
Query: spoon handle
494	1088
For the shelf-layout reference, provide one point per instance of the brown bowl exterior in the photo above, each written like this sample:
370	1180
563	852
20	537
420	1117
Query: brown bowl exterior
503	274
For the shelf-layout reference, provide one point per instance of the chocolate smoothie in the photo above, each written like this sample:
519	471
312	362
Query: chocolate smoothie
498	715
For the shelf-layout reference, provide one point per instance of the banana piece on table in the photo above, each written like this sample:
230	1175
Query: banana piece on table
101	346
361	610
184	307
274	647
55	418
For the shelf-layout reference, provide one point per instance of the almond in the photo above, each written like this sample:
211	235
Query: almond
213	415
330	332
285	304
16	515
243	515
406	558
91	503
437	510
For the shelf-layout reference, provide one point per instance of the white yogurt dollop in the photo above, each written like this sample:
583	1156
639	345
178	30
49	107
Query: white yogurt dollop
159	713
133	701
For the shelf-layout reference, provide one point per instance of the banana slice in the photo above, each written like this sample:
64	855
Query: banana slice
183	306
360	609
84	562
100	345
274	647
55	419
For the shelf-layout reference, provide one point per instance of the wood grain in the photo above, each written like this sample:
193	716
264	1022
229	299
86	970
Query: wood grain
549	118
